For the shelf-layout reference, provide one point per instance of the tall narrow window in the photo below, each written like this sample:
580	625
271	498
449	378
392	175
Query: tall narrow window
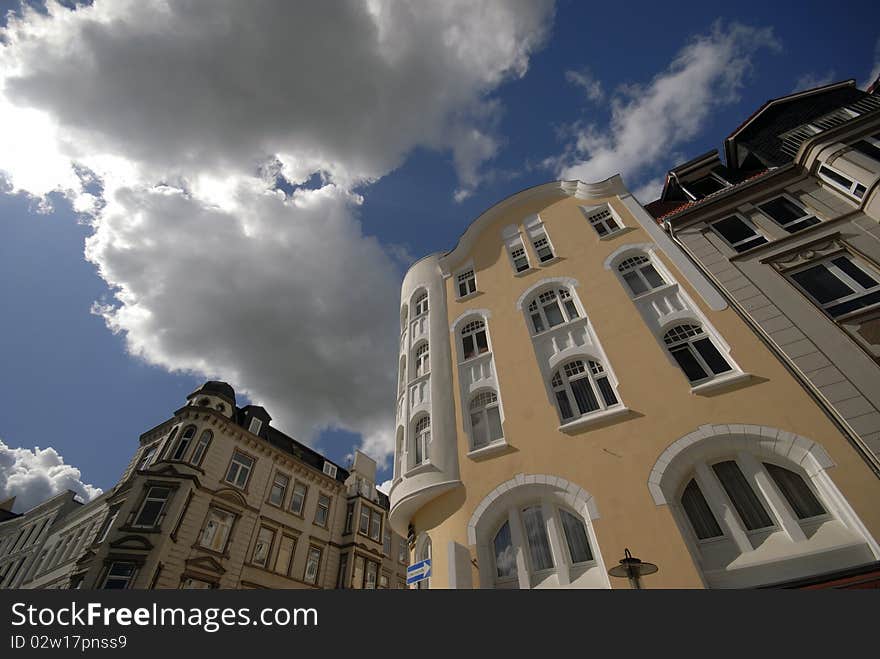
639	274
738	233
322	512
505	556
313	564
839	285
698	512
201	448
473	339
423	365
581	388
153	506
298	498
543	248
183	443
239	469
742	496
218	526
364	526
109	520
375	525
284	559
602	220
467	283
370	575
787	214
519	257
575	538
349	518
795	490
401	383
422	439
255	426
695	353
386	541
485	419
263	546
536	534
343	569
421	305
552	308
279	489
147	458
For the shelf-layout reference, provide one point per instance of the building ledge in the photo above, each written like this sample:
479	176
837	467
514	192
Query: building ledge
594	419
496	447
720	383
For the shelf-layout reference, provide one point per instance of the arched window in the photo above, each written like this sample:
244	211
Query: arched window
420	306
485	419
401	384
398	455
581	388
422	365
183	443
505	556
551	308
695	352
422	439
639	274
473	339
403	319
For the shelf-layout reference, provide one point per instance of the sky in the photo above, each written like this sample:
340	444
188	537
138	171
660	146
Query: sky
229	190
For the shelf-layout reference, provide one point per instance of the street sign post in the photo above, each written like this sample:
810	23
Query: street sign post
418	571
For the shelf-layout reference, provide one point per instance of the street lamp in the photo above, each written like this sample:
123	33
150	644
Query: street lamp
632	568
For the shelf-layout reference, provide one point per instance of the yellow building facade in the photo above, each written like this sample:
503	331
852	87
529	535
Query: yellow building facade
571	385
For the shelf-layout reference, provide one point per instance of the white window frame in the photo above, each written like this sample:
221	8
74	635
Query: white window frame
476	406
259	541
859	291
159	516
180	447
467	277
790	227
126	579
636	262
324	503
422	359
293	496
517	246
538	306
736	246
593	370
421	439
224	525
255	426
420	305
688	341
711	174
240	466
472	328
282	488
148	457
603	216
851	191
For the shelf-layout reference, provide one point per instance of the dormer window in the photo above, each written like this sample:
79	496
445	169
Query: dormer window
703	187
255	426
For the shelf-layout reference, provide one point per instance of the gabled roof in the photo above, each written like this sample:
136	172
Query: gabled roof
669	211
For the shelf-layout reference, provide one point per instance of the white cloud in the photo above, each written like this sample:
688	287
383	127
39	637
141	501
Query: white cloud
385	487
812	80
647	121
648	192
590	84
32	476
186	112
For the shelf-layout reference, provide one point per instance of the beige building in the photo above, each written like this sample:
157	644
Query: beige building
215	497
571	385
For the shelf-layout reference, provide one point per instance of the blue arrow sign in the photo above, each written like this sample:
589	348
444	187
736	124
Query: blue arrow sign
418	571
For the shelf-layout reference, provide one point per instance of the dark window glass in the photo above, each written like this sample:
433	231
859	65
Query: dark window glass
575	538
854	271
744	499
538	323
467	343
711	356
584	396
698	512
821	283
554	315
564	405
704	186
635	283
870	150
834	176
482	344
739	234
688	363
796	492
652	276
606	390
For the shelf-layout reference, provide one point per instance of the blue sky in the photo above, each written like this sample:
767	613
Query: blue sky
196	271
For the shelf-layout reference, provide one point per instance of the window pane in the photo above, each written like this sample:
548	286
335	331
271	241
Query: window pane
606	391
699	513
554	315
285	553
854	271
635	283
495	431
480	429
262	546
869	149
538	323
782	210
734	229
576	538
688	363
482	344
584	396
505	558
711	356
467	343
796	492
539	544
653	277
819	282
298	498
564	405
570	309
743	497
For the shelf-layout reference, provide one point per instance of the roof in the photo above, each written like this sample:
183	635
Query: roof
308	455
216	387
666	212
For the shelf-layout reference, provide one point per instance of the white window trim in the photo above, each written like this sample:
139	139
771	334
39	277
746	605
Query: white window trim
668	282
484	410
421	360
416	299
255	426
535	297
590	211
849	192
703	385
604	411
421	439
160	515
808	212
710	174
859	290
468	267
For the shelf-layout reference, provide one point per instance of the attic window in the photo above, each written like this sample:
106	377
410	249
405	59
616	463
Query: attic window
330	469
703	187
255	426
